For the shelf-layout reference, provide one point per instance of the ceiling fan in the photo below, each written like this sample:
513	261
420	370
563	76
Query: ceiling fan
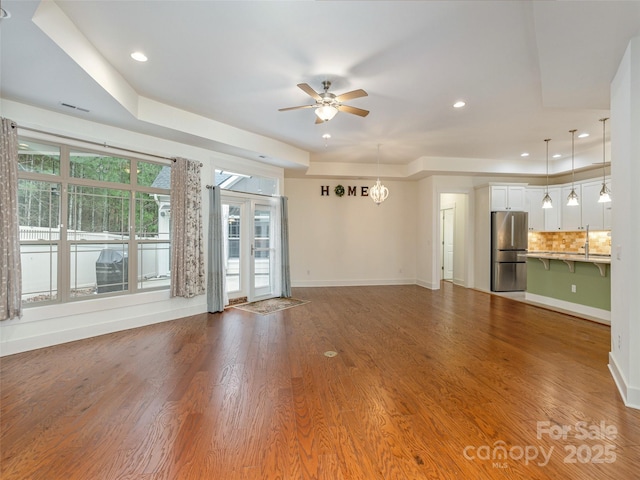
328	104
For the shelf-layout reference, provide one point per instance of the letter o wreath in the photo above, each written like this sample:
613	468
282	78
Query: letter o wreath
339	190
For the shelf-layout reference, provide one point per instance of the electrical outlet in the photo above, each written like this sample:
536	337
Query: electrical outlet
573	289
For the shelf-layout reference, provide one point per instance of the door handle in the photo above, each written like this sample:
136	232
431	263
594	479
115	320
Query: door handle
512	230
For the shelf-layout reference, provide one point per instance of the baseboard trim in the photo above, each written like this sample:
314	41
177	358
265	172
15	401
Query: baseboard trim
49	339
351	283
590	313
630	395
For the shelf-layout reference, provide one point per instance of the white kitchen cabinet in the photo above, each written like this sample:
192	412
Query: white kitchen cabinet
596	215
589	212
533	205
507	197
592	211
553	216
571	216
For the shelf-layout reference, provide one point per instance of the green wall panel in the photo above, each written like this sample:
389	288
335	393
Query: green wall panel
592	289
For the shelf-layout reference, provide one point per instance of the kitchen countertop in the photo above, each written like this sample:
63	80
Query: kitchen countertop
572	256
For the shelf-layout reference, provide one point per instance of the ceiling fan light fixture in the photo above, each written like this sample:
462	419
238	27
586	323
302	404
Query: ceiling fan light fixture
326	112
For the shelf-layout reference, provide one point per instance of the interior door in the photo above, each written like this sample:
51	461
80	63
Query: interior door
447	243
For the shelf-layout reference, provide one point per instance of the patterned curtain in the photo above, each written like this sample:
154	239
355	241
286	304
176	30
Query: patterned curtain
216	287
285	273
10	270
187	257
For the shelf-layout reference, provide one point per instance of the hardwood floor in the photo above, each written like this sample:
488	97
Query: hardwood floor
425	385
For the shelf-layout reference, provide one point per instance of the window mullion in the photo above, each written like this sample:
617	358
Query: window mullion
64	249
133	243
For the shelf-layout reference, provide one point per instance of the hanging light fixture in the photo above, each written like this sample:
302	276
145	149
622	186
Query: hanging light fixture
572	199
546	200
605	193
378	192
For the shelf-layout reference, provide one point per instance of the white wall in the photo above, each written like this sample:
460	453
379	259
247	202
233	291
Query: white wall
49	325
482	247
350	240
624	358
428	242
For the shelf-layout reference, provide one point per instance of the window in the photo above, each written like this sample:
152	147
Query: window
238	182
91	224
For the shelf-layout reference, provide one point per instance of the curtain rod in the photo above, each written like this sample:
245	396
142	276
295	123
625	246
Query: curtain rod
104	145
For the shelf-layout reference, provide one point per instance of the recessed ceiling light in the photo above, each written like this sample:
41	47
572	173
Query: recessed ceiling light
524	154
583	135
139	56
557	155
326	136
459	104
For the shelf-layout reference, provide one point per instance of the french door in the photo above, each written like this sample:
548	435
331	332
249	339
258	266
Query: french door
250	253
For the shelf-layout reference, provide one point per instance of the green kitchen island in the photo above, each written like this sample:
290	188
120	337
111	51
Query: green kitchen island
574	283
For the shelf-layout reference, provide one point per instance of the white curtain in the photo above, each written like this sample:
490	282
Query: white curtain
285	273
187	257
10	270
216	277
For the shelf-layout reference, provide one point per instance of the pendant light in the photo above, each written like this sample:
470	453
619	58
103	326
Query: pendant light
605	196
378	192
572	199
546	200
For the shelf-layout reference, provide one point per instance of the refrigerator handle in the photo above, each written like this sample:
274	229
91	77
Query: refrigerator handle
512	230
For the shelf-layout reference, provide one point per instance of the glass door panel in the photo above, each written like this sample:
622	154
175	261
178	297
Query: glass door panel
263	251
232	229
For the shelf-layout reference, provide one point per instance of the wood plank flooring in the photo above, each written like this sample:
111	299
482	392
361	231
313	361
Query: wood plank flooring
448	384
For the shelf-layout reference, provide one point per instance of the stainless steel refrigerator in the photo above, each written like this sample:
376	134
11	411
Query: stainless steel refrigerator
509	242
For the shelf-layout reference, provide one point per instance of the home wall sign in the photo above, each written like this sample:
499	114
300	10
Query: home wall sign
340	191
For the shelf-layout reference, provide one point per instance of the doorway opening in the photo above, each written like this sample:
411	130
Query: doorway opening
250	248
455	246
447	218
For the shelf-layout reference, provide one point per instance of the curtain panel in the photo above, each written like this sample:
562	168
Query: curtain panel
285	273
216	281
187	245
10	269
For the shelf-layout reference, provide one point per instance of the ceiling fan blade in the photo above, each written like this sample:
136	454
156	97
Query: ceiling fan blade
295	108
350	95
354	110
310	91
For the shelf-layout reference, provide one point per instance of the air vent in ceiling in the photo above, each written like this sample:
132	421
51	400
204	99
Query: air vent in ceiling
68	105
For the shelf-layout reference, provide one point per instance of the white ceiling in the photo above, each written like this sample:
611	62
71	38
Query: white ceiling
528	70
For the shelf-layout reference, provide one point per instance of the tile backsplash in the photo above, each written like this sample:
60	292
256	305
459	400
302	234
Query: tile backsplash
599	242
